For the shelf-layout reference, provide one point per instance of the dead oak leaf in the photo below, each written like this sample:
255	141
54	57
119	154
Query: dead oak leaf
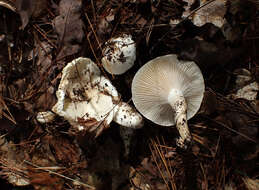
28	8
68	24
69	27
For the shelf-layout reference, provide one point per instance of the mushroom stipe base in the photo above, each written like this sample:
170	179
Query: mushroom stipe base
180	106
168	92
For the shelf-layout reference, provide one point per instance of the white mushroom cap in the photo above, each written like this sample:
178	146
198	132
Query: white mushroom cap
119	54
89	100
84	93
127	116
156	82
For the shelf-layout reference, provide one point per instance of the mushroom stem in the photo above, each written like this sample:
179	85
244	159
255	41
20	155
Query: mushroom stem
179	105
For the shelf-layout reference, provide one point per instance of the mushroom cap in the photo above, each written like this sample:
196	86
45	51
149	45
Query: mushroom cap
155	80
127	116
84	95
119	54
89	100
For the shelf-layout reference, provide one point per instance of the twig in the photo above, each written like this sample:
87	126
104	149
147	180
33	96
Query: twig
158	167
233	130
60	175
92	28
10	116
42	33
156	150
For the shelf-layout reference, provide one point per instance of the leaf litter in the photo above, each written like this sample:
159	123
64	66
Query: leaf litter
38	39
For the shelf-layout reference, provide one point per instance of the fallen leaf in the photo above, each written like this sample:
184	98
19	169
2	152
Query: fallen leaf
28	8
68	24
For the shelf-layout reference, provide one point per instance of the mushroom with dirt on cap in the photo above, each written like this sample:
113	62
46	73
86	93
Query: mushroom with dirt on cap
119	54
89	101
168	91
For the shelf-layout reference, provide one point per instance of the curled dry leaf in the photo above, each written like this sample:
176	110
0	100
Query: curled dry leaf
248	92
244	86
213	12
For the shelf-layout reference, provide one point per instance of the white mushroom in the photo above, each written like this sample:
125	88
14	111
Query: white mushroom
119	54
89	101
168	91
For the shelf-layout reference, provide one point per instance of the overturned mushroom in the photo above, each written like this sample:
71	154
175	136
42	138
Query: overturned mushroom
89	101
168	91
119	54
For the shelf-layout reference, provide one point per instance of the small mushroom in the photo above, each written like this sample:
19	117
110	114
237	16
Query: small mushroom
89	101
119	54
168	91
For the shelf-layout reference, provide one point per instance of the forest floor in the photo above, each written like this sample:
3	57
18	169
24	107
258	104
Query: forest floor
39	38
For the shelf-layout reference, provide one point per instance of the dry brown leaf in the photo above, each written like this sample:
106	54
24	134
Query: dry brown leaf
68	24
45	181
28	8
65	151
69	27
208	104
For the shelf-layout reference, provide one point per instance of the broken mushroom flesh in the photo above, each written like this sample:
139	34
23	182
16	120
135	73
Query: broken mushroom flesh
168	91
89	101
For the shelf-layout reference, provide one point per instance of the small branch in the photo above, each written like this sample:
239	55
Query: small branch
60	175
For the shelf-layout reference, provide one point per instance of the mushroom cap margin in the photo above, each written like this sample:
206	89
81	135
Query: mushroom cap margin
152	84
